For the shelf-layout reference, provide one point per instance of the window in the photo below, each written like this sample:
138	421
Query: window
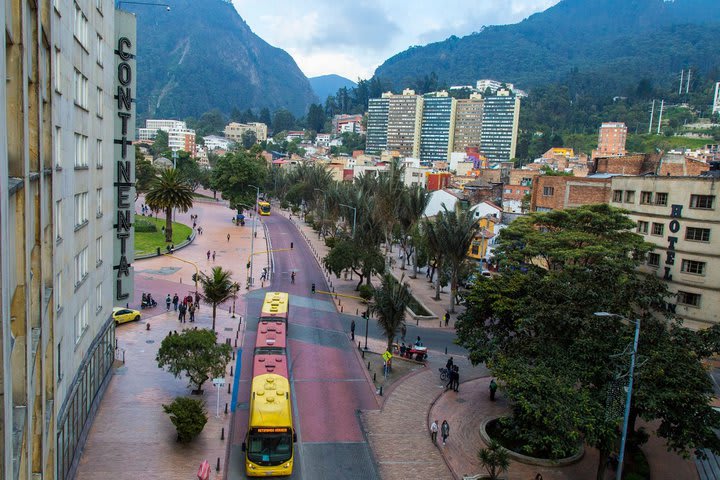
98	5
99	201
645	197
81	26
697	234
548	191
702	201
98	298
98	251
58	291
693	266
81	266
58	147
629	196
98	153
617	196
81	321
58	219
689	299
642	227
81	209
661	198
100	110
81	151
58	71
81	89
658	228
99	49
653	259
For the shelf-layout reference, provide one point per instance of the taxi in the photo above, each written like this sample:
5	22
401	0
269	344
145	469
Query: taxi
124	315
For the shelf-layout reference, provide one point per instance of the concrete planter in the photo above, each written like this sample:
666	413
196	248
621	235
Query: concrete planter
540	462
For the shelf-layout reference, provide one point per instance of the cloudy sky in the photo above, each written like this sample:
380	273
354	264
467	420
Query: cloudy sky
352	38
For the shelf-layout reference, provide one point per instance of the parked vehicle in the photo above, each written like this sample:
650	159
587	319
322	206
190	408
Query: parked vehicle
124	315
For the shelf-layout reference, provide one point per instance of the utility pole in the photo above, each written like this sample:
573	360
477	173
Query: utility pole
662	104
652	113
687	87
682	72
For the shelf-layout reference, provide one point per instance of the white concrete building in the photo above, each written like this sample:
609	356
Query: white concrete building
438	200
213	141
153	125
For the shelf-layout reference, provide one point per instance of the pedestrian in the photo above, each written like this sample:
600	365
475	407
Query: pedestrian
418	342
208	254
175	301
456	369
352	330
447	318
228	237
292	277
197	300
168	301
445	431
213	255
433	431
451	379
449	364
427	272
191	310
403	331
194	225
181	313
493	389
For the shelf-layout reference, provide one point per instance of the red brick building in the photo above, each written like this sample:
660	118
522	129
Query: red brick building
550	192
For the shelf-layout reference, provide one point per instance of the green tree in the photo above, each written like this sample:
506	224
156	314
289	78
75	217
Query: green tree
189	417
413	202
145	173
235	172
495	459
248	139
160	144
217	287
283	120
364	260
167	191
389	303
316	117
196	353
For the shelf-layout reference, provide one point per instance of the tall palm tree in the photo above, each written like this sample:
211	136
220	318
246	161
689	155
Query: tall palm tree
413	202
390	188
456	229
217	287
435	243
169	190
388	303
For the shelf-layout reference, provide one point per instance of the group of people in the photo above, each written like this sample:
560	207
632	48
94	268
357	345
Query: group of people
209	255
453	375
186	306
444	431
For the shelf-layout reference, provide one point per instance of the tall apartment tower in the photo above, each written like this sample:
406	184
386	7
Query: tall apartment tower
66	167
437	128
501	114
611	140
403	125
716	99
468	123
376	140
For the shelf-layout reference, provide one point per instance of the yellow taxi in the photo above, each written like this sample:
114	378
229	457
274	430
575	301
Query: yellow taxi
124	315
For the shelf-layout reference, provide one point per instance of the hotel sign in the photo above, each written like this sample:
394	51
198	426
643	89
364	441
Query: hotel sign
124	155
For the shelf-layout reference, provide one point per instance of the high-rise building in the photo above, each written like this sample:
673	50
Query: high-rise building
468	123
716	99
501	114
403	124
437	127
376	140
611	140
66	210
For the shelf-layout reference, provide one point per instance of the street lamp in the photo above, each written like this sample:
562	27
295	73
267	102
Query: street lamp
354	217
626	416
252	237
322	220
367	317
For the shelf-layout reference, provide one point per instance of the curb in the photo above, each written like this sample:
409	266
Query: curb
182	245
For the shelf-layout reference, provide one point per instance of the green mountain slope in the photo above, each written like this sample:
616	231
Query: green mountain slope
202	55
619	40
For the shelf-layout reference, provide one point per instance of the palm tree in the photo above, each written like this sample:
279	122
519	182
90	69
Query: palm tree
433	235
495	459
412	205
390	188
169	190
217	287
456	230
389	303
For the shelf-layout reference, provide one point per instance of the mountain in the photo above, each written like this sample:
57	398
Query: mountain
200	54
620	41
325	85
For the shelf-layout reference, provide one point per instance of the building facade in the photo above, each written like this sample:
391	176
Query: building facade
468	123
679	215
501	114
234	131
403	125
551	192
716	99
611	140
376	141
437	128
149	132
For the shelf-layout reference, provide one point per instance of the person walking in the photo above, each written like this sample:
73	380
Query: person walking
191	310
181	312
449	364
493	389
445	431
228	237
208	255
451	379
175	301
168	301
456	369
352	330
447	318
434	432
213	255
292	277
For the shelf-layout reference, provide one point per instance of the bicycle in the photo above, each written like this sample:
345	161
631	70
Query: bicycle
444	373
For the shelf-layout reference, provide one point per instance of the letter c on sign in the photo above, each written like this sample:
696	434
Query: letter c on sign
124	42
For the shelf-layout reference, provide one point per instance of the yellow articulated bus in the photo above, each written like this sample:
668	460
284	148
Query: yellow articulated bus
276	306
268	446
264	208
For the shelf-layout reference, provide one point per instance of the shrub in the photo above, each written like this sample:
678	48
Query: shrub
366	292
309	219
189	417
331	242
494	458
284	204
144	225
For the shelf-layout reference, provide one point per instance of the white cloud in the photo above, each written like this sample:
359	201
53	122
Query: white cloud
353	38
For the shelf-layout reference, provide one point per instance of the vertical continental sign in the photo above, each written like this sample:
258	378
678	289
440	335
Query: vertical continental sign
124	154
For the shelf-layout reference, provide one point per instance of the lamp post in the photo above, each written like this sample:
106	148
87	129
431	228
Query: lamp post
252	236
322	220
628	398
354	217
367	317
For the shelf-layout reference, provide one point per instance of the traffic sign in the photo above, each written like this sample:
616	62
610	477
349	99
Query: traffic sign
219	382
386	356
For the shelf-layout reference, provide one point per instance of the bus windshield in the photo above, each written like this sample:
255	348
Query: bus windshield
269	449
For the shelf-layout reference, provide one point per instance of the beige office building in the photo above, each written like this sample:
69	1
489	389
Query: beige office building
404	123
680	216
234	131
468	122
